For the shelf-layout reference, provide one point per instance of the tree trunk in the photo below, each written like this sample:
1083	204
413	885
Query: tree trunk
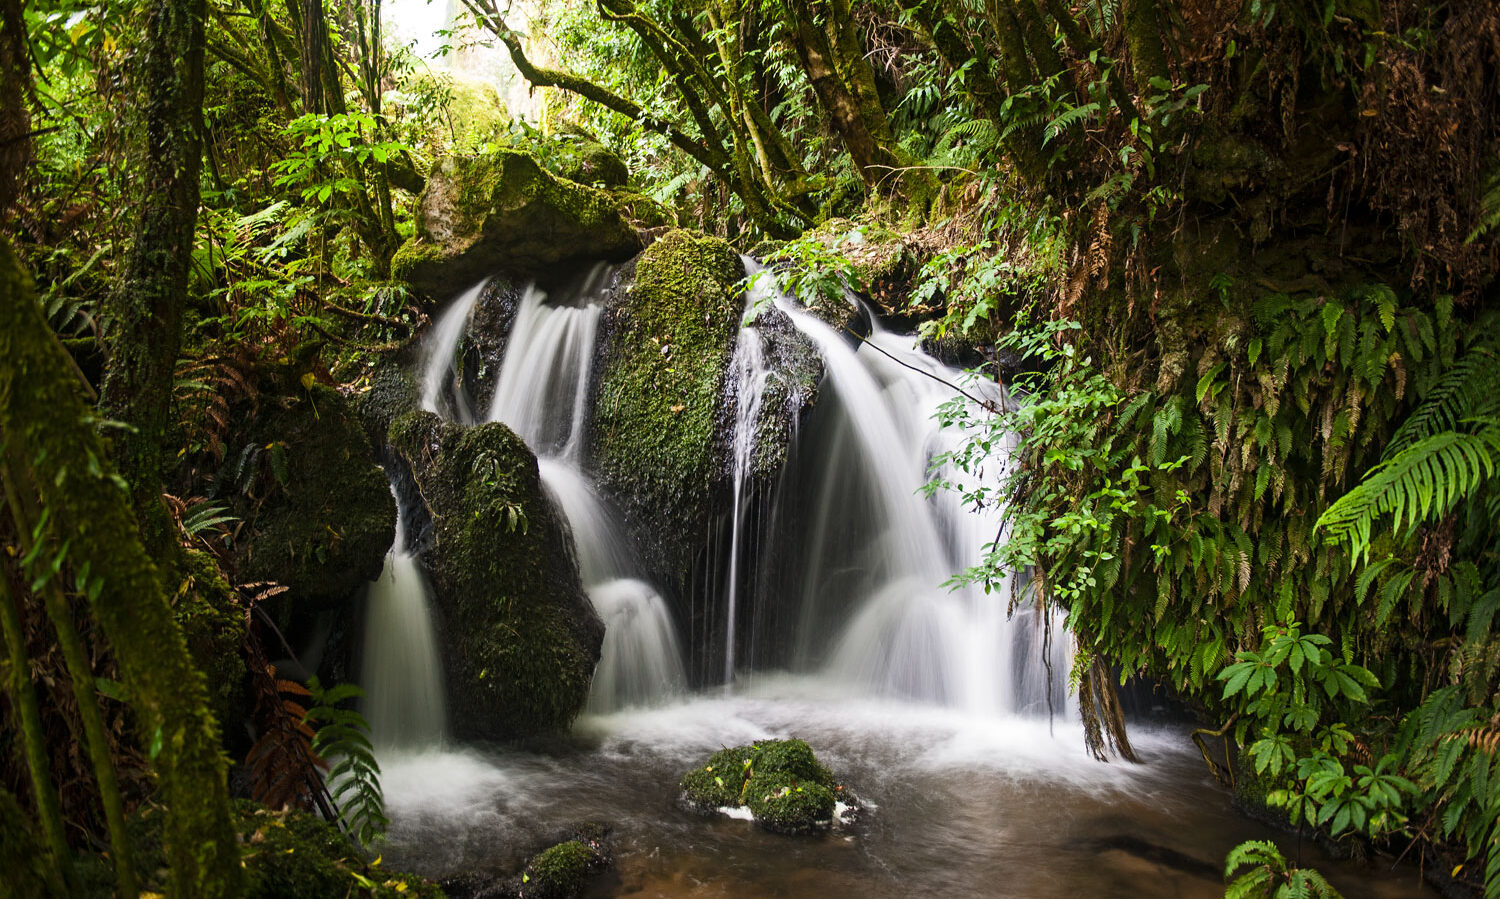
46	422
149	300
872	156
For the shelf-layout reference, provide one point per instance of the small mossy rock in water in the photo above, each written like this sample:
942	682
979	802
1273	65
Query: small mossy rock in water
721	781
670	337
560	872
325	519
785	803
503	210
781	781
520	636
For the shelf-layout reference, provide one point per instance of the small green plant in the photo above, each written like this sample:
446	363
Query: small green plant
342	739
1263	873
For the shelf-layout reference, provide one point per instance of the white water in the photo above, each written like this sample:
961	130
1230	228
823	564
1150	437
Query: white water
875	612
402	672
749	374
542	393
440	392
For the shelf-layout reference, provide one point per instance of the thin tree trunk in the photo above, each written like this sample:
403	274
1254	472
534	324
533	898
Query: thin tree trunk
42	415
148	303
29	723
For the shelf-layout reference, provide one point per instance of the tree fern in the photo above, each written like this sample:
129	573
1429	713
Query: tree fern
1424	480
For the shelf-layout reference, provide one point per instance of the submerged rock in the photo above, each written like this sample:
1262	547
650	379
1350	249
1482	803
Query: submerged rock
504	211
781	782
520	636
670	336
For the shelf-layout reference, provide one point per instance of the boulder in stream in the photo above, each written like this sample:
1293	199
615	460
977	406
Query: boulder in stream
317	508
503	211
520	637
657	444
781	782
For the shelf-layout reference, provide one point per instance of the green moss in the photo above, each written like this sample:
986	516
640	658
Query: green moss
560	872
325	524
418	262
662	386
793	757
781	781
782	802
522	636
721	781
214	625
504	210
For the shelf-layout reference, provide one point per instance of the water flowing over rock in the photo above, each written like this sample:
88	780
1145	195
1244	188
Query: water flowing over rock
503	210
520	637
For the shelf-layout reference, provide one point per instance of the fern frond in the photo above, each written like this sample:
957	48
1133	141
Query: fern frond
1424	480
1075	116
1470	388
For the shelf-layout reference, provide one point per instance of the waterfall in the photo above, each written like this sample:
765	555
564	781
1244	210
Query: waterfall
748	375
438	380
402	673
875	613
542	393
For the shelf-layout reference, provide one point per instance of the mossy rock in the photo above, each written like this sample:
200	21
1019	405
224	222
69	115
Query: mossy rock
504	211
561	872
520	636
781	781
785	803
721	781
325	519
657	445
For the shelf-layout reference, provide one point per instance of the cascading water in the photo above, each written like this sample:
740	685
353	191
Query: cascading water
875	553
541	393
440	391
402	672
749	375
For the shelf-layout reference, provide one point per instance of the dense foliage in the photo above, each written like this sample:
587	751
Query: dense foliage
1240	256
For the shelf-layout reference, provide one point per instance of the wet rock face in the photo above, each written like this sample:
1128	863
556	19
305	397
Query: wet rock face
503	211
520	636
317	508
668	340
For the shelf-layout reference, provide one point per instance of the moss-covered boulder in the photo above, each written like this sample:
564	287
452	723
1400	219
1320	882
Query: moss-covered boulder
670	336
504	211
782	782
786	803
520	636
317	508
561	872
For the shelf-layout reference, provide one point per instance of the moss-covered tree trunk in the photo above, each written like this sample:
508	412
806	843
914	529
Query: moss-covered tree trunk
46	422
148	302
857	116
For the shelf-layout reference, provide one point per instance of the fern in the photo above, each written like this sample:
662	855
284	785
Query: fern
1070	117
343	738
1424	480
1471	388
